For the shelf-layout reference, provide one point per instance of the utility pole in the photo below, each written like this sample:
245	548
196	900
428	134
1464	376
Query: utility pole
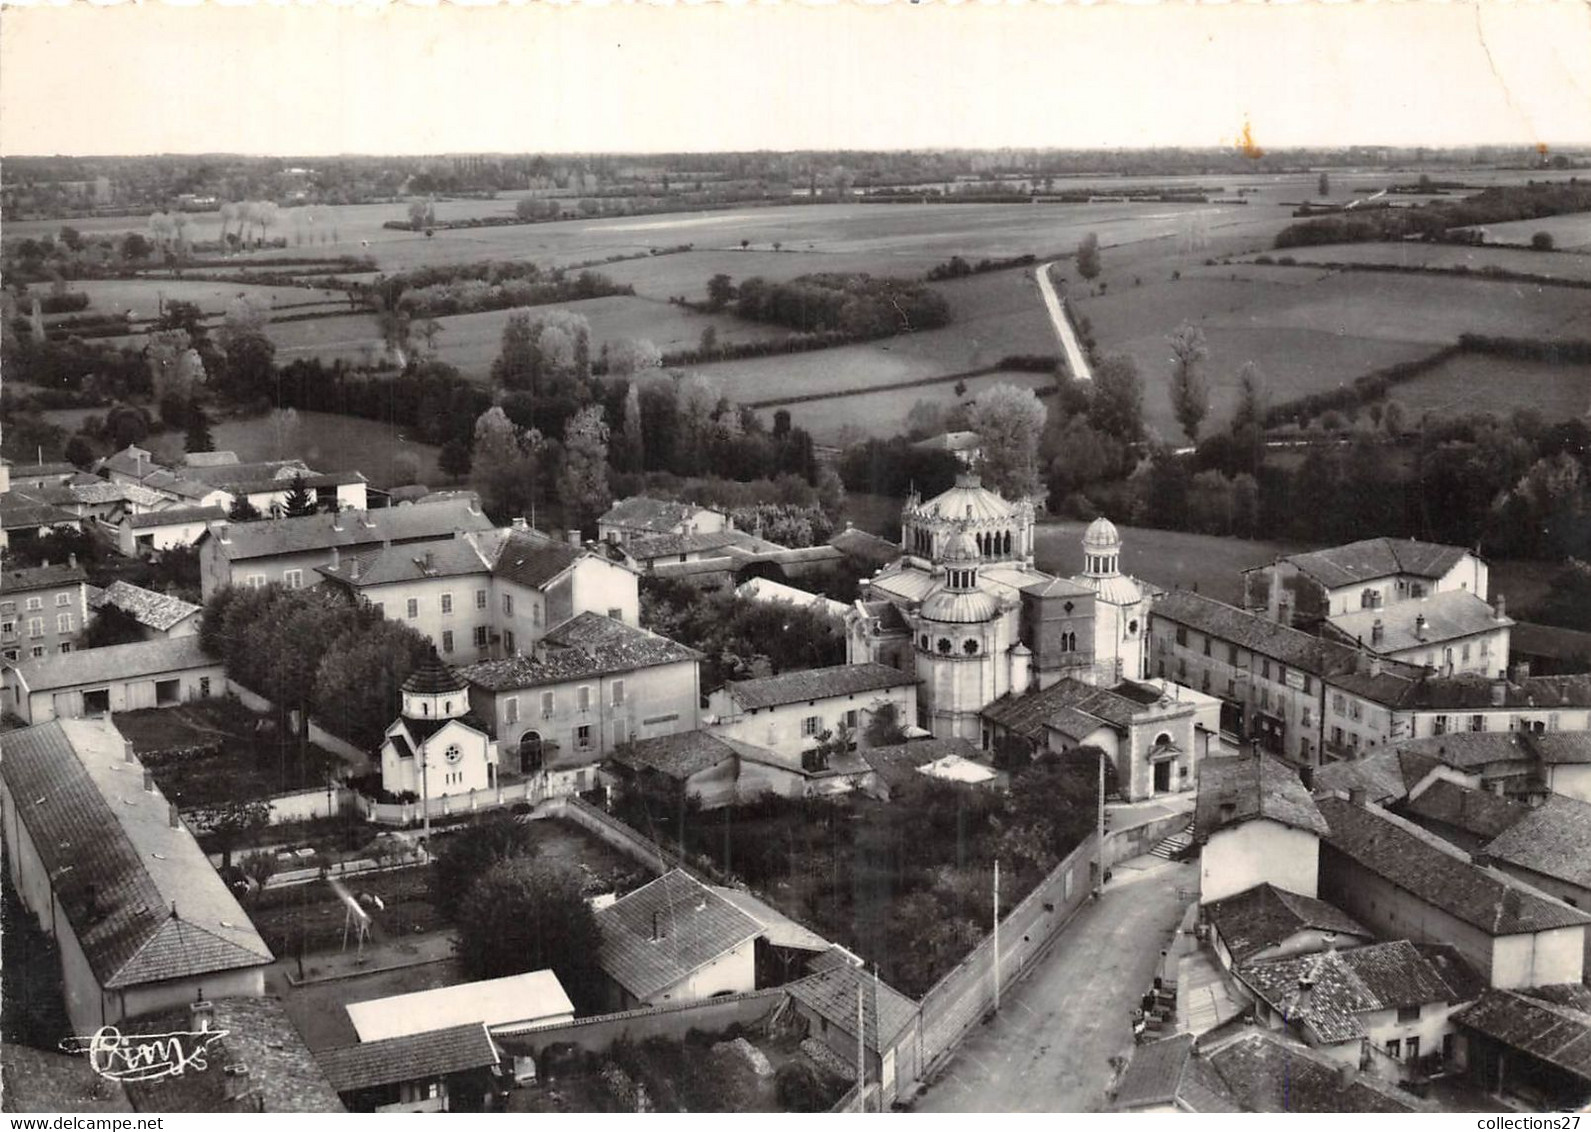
1099	822
861	1048
425	796
997	935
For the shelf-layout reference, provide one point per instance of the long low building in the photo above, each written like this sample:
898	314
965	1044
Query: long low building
92	682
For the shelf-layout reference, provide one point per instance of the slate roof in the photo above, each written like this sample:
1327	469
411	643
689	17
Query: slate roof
44	1081
415	1057
1448	616
1555	1034
1386	774
677	756
1438	874
1264	916
1235	790
1478	812
113	663
1154	1076
422	521
1376	558
1266	1073
283	1075
831	994
695	926
587	644
1554	840
380	566
815	684
1069	705
119	868
865	547
641	512
157	611
174	515
28	578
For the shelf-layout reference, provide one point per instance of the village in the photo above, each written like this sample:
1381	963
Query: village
1343	828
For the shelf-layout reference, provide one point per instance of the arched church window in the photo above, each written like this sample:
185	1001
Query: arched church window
1132	627
944	646
1007	543
970	646
925	642
425	708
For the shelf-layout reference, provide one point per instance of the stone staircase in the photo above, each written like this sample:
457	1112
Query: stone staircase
1176	846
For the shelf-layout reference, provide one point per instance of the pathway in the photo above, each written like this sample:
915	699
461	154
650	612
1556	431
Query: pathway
1076	362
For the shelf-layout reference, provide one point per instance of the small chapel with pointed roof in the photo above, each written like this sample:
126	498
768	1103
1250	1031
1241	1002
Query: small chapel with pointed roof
436	746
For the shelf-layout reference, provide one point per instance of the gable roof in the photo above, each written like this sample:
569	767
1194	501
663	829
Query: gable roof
143	899
1429	869
1154	1075
526	556
1254	632
1264	916
813	684
1448	616
1324	993
777	928
1561	747
1373	558
768	590
586	645
1478	812
865	547
1548	641
1554	839
385	565
34	471
419	522
897	765
1070	706
173	516
696	542
18	512
114	663
26	578
1556	1034
37	1080
1235	790
1384	774
1472	751
155	610
1267	1073
642	512
413	1057
693	926
832	993
528	998
677	756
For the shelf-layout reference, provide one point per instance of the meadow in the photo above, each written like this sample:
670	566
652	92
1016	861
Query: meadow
1566	231
1474	383
1551	265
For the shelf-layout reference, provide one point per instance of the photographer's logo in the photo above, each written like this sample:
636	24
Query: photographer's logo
144	1057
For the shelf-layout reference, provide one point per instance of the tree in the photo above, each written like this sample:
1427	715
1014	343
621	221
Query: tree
1323	186
260	867
79	451
298	502
720	290
883	726
421	213
125	425
454	459
1542	242
1008	420
242	511
249	352
1117	407
633	438
630	356
583	479
199	437
468	854
503	464
1190	390
1088	262
360	675
135	247
227	824
112	625
517	359
529	914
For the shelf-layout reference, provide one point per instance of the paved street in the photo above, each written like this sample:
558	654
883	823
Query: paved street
1050	1049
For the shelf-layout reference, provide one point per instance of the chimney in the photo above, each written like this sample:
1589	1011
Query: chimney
127	750
574	538
1330	940
219	526
1346	1072
174	818
1357	796
200	1015
71	560
1501	608
235	1081
353	568
520	524
1419	626
1378	631
429	562
336	521
1375	665
1499	692
1520	672
149	780
657	933
336	557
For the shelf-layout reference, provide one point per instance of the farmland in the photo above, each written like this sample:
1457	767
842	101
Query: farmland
1472	383
1416	254
1566	231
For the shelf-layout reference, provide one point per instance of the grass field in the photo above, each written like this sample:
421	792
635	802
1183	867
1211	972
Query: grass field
884	413
143	296
1556	265
1572	231
1474	383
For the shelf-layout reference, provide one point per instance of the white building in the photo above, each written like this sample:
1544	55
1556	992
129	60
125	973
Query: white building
1452	632
514	1002
1302	589
436	748
1257	825
676	941
790	713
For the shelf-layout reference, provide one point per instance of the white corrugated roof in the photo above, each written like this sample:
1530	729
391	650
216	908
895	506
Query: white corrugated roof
510	1002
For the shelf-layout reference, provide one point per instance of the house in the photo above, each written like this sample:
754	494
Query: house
688	764
256	1061
1265	1072
1387	775
101	861
675	940
289	550
1380	1007
1523	764
1147	735
640	517
159	616
589	685
1168	1076
785	950
901	766
107	503
1549	649
1403	882
1452	632
43	609
137	467
1549	848
36	1080
267	485
1376	573
793	712
449	1070
812	773
1266	922
486	594
1462	815
863	550
23	476
513	1002
146	532
93	682
23	519
1530	1048
437	747
766	590
831	1000
648	553
1256	824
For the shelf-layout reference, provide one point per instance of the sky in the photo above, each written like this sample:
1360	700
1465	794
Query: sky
312	79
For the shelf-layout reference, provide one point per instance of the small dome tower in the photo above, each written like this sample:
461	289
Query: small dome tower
435	691
1101	549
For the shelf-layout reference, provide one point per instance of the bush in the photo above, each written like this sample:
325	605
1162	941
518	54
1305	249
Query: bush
1542	242
800	1088
64	303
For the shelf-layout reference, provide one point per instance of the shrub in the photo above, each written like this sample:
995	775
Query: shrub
1542	242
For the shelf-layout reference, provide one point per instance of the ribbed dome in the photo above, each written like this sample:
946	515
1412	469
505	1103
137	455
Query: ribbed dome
433	677
960	607
1101	535
968	500
1118	589
961	547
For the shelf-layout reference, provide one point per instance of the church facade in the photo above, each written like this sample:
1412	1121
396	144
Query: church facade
966	612
436	747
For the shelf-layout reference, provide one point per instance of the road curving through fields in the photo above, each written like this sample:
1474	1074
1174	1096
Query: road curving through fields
1076	362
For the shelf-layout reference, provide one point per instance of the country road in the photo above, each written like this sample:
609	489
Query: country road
1076	362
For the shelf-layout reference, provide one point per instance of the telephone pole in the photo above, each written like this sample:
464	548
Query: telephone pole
997	935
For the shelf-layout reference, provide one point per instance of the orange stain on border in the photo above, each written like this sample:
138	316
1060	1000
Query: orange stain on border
1246	142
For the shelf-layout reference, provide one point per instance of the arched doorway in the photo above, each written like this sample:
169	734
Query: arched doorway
530	752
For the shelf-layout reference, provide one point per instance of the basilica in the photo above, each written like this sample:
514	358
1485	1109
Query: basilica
965	610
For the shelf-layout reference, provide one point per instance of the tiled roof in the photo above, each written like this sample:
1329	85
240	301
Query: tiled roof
431	677
415	1057
1529	639
1154	1075
1473	751
1436	873
1386	774
1554	840
897	765
1377	558
528	557
1254	632
1234	790
1555	1034
210	459
34	471
777	928
41	577
20	513
1464	980
380	566
1448	617
232	475
39	1081
586	645
156	610
1479	812
1561	747
269	537
866	547
1264	916
283	1075
114	663
693	927
1067	705
815	684
678	756
170	483
640	512
132	461
697	542
1318	993
1267	1073
119	868
832	995
172	516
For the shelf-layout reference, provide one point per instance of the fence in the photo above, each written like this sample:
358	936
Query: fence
531	791
303	805
318	735
1125	844
598	1033
623	838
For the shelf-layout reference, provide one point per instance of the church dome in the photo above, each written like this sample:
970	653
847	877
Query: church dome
432	678
1101	535
969	500
961	547
960	607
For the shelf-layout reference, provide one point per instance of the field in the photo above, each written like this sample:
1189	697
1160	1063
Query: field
1573	231
1474	383
142	296
884	413
1555	265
